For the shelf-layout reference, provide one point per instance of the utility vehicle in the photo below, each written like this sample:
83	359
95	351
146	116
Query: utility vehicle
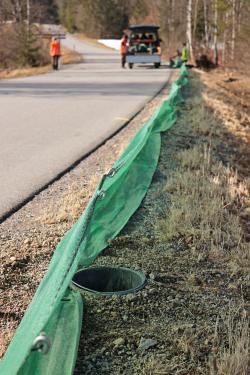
144	46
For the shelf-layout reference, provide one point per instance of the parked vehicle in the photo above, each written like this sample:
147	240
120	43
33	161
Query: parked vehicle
144	46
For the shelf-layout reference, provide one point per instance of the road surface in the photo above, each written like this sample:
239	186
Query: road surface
47	122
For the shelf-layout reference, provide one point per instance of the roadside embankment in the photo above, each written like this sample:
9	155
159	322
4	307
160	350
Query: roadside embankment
191	238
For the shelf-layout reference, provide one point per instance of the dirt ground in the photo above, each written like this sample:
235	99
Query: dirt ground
191	318
197	293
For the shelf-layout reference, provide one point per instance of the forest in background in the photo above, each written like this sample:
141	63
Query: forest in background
217	28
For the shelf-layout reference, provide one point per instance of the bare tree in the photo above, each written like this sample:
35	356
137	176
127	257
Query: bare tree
205	22
216	32
196	8
28	17
189	29
233	29
225	38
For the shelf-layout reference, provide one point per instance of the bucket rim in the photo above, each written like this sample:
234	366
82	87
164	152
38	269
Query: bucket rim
82	289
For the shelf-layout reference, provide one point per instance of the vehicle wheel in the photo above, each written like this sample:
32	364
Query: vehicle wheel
130	65
157	65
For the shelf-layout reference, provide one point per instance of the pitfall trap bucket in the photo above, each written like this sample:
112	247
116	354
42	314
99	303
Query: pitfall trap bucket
108	281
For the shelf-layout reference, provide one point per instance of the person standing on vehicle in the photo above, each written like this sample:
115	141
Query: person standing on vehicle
55	53
184	53
123	49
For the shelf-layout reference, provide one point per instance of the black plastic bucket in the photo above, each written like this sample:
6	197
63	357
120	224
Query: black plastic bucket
108	281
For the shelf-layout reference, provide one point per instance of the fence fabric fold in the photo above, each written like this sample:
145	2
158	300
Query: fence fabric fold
55	309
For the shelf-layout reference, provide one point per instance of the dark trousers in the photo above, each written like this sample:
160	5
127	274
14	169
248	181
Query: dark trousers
123	60
55	62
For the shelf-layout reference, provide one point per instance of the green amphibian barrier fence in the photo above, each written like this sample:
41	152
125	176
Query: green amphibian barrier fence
47	338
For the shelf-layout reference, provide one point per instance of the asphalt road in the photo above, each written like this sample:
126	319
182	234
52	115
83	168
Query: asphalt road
47	122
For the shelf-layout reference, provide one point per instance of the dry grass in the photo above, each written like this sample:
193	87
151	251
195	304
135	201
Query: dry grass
68	57
203	192
226	113
24	72
201	119
206	196
71	57
153	367
233	358
70	206
209	199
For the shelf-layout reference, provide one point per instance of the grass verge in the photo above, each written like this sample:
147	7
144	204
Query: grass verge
191	239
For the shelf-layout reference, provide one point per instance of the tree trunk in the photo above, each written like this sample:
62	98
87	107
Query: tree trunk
215	32
225	39
196	7
170	22
233	31
16	10
205	23
189	29
28	18
239	15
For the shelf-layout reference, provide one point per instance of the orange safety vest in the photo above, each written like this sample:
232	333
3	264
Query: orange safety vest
55	48
123	48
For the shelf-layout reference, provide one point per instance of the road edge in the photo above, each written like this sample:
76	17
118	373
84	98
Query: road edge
66	170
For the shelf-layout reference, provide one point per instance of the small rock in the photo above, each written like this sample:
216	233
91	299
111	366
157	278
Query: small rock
118	342
145	344
152	291
12	259
131	297
125	318
232	286
151	276
27	241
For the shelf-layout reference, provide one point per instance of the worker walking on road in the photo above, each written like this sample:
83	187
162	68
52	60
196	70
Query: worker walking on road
123	50
55	53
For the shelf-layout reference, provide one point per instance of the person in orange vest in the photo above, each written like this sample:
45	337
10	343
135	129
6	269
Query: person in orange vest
55	53
123	49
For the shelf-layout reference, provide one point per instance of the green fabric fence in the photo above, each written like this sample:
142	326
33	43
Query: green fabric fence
47	338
